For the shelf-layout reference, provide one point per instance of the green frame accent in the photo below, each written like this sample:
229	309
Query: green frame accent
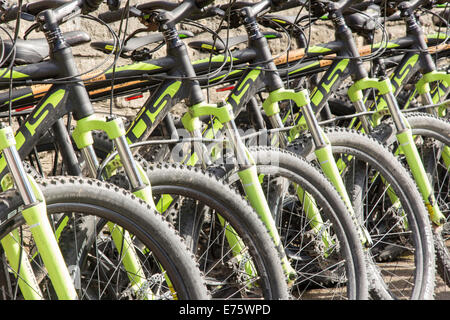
190	119
355	93
270	105
252	187
415	164
82	133
7	138
36	217
422	86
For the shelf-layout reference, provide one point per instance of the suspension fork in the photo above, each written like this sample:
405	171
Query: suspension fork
423	89
139	181
247	168
405	139
323	149
35	215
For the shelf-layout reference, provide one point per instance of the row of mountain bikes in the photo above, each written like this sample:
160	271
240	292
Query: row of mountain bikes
323	174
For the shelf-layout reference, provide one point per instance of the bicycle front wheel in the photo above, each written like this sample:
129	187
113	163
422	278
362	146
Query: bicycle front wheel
233	248
386	200
432	137
317	233
85	214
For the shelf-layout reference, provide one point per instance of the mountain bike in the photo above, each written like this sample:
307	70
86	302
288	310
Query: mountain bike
189	90
330	82
264	276
271	111
130	68
433	132
32	218
415	74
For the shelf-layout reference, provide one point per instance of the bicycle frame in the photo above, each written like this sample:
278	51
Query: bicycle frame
169	92
172	91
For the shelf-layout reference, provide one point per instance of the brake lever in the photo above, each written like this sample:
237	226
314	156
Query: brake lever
27	16
133	11
216	11
113	5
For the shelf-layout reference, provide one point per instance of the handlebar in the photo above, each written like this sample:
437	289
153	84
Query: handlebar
175	11
34	8
113	16
10	12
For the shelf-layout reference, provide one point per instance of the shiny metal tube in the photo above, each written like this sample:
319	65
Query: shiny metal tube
361	107
128	163
19	175
313	126
200	149
395	112
88	154
276	122
428	100
237	144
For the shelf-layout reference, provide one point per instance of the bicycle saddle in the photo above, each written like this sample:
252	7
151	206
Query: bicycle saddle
207	45
136	42
364	22
36	50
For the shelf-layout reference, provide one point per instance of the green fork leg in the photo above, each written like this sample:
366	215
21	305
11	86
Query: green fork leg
122	239
415	164
21	266
36	218
255	194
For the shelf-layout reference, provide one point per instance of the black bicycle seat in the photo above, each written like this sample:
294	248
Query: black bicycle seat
358	22
207	45
36	50
364	22
136	42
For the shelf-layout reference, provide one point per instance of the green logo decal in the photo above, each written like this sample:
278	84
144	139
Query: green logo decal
245	84
135	66
398	77
148	114
39	115
328	81
16	74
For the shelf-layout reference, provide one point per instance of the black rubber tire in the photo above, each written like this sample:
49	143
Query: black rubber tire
369	151
92	198
207	190
196	185
434	133
300	173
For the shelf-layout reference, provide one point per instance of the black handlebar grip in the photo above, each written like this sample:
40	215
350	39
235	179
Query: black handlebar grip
277	3
203	3
90	6
113	16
